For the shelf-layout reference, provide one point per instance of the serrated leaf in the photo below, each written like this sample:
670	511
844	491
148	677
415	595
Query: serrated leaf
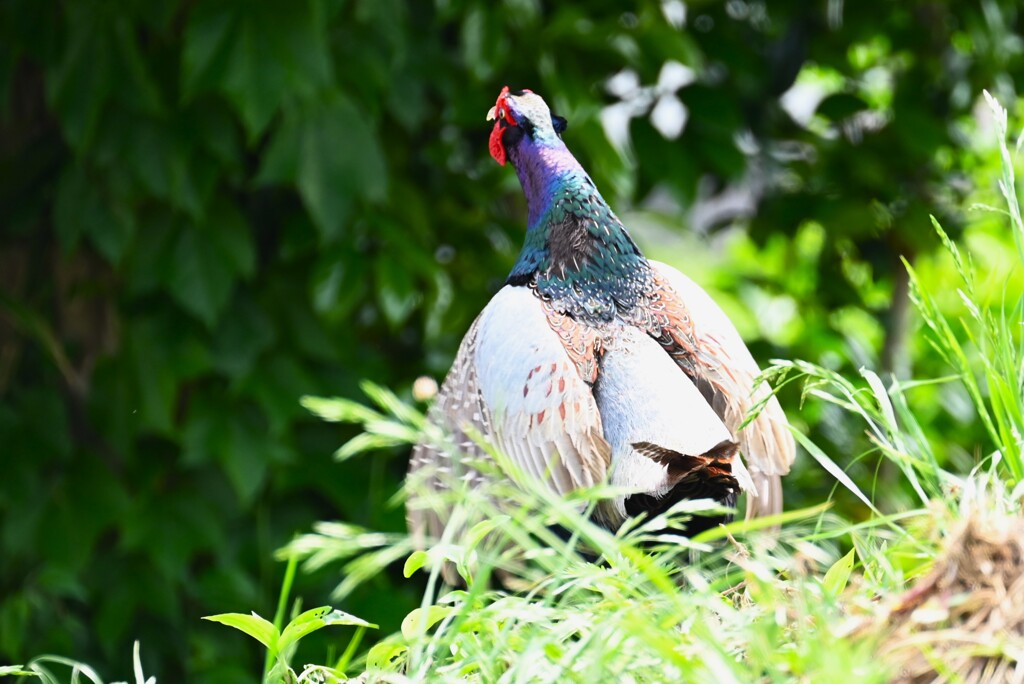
839	574
422	619
416	560
258	628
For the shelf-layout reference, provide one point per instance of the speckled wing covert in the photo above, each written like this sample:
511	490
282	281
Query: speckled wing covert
513	383
725	372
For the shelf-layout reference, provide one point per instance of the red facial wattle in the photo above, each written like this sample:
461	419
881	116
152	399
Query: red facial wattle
496	146
503	118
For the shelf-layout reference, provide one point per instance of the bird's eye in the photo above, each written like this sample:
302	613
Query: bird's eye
501	113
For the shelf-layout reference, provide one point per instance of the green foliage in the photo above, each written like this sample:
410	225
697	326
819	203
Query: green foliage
40	668
280	645
212	209
753	611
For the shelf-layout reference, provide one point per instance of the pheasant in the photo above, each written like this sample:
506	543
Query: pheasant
596	365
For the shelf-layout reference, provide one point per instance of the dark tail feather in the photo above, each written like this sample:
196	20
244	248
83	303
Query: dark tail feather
707	476
717	460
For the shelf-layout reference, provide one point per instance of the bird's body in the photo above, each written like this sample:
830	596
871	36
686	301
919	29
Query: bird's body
593	364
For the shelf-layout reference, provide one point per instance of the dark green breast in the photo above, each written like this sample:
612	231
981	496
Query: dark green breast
580	257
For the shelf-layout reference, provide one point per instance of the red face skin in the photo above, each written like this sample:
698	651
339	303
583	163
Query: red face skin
503	118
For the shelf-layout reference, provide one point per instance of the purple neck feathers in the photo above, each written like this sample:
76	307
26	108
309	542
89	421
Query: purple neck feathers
542	169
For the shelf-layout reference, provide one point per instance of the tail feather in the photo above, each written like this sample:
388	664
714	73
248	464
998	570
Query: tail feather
718	464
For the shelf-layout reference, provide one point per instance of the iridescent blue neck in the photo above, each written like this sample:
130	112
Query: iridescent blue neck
576	254
544	167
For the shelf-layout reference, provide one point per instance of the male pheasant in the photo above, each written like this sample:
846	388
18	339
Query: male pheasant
596	365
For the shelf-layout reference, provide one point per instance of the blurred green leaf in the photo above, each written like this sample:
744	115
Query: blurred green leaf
80	209
208	259
258	628
422	619
340	162
839	574
415	561
85	75
257	55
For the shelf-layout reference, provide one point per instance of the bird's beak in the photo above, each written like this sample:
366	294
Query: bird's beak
492	113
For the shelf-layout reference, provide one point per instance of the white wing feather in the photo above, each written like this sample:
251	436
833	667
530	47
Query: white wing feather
512	383
663	407
544	414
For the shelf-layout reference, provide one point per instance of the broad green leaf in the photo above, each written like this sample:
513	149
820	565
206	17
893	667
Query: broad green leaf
257	54
245	458
340	282
331	151
137	87
258	628
340	162
81	210
277	385
243	332
163	159
840	106
281	159
156	379
232	237
147	267
208	259
397	293
315	619
81	82
422	619
839	574
199	280
416	560
75	205
383	654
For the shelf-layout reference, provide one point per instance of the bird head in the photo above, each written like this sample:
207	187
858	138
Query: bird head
521	116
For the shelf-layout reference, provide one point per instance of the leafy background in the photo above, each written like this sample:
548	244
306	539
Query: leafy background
212	208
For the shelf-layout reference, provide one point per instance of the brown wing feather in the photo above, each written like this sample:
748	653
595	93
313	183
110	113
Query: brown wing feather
705	344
